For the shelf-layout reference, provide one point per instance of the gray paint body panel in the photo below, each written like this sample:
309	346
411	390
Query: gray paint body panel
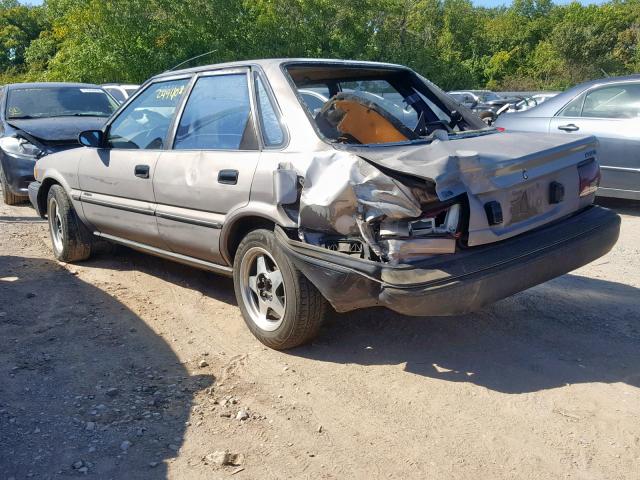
619	152
114	200
182	212
186	185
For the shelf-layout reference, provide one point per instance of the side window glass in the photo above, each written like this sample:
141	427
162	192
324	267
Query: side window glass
616	101
573	108
314	97
145	122
272	133
217	116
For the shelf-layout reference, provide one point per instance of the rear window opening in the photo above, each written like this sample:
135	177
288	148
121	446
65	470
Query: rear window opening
365	105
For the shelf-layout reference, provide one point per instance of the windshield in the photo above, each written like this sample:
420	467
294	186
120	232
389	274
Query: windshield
46	102
375	105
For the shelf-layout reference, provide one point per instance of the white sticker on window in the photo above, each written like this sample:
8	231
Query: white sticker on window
90	90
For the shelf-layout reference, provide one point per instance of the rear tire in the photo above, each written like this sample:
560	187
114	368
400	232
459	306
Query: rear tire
8	196
71	240
279	305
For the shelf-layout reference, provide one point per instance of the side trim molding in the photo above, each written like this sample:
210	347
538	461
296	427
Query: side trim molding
192	221
86	197
620	169
103	203
194	262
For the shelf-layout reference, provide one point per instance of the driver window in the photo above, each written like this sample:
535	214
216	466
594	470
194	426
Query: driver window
145	122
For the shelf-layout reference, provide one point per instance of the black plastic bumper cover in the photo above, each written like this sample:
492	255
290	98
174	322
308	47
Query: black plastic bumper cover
33	189
18	171
462	282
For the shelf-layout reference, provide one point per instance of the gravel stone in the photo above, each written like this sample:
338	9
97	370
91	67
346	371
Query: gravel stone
242	415
112	392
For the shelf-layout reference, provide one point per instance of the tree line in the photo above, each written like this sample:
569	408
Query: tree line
530	45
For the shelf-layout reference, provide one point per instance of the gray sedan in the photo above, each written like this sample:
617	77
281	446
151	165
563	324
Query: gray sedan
607	108
227	168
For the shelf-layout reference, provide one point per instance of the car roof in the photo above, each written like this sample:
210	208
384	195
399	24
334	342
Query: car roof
471	91
122	85
550	107
270	62
13	86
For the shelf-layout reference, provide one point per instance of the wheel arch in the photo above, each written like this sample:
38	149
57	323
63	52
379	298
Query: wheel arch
233	233
43	193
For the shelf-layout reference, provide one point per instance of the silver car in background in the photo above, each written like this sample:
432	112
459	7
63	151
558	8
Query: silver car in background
607	108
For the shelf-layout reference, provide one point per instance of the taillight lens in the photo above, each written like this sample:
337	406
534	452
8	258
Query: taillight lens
589	174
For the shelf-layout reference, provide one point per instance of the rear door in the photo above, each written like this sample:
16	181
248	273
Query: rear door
612	114
210	168
116	181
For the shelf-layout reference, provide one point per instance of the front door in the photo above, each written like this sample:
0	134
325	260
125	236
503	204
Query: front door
209	171
116	181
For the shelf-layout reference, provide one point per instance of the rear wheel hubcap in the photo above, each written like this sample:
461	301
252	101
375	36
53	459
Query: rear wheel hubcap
262	288
55	225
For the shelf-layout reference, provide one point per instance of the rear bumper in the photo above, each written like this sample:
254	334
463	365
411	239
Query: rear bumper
618	193
18	172
33	190
462	282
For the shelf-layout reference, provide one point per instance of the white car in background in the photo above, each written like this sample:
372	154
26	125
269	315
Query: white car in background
119	91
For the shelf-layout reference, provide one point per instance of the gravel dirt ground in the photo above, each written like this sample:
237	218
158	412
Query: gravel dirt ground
131	367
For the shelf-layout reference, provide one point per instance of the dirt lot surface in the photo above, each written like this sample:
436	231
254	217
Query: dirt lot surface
131	367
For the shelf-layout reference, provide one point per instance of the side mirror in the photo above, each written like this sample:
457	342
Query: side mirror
91	138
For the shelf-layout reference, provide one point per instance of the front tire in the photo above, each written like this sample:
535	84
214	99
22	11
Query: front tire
8	196
279	305
70	239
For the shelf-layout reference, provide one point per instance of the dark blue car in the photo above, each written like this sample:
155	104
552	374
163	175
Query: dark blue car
37	119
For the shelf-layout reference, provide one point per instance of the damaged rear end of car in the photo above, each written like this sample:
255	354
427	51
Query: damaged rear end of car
423	210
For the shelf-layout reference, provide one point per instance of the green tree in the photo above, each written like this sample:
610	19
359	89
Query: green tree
19	25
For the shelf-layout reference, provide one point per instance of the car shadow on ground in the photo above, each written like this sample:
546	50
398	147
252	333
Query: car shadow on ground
85	382
124	259
570	330
5	219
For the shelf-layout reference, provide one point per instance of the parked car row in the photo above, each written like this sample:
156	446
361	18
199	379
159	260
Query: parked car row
121	92
37	119
489	105
313	183
609	109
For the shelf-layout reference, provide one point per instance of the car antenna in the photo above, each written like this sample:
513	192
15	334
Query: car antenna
190	59
605	73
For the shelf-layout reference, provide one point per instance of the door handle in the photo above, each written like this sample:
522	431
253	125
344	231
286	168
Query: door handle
228	177
569	127
142	171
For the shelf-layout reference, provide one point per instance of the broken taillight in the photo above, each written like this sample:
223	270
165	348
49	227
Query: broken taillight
589	174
